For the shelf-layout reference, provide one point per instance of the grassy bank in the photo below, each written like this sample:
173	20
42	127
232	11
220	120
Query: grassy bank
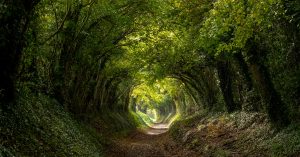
239	134
39	126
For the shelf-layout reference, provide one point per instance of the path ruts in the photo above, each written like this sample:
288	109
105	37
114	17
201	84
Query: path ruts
151	142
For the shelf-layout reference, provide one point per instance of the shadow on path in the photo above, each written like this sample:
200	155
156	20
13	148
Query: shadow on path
153	141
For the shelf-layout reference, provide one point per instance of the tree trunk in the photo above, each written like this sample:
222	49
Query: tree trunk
14	19
276	109
226	85
242	65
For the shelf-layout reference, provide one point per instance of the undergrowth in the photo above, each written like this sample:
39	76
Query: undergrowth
39	126
286	142
145	118
239	133
115	124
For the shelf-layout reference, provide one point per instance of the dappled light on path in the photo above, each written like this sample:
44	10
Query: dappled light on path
157	129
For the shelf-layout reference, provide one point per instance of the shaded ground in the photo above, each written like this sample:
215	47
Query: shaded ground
151	142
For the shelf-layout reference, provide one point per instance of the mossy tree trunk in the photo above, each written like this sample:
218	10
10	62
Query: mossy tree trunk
276	109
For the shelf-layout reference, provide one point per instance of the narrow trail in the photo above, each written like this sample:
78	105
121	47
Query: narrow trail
151	142
156	129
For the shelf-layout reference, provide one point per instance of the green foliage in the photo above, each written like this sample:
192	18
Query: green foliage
286	142
141	123
231	23
145	118
39	126
109	62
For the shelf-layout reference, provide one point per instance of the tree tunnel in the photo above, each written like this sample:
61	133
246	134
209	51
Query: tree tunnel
120	65
154	103
162	100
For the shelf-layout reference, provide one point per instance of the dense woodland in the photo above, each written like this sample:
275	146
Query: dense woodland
112	66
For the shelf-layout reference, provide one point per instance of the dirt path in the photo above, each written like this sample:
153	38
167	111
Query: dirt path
156	129
150	142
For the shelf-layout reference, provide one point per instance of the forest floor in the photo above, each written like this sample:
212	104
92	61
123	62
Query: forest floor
154	141
239	134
